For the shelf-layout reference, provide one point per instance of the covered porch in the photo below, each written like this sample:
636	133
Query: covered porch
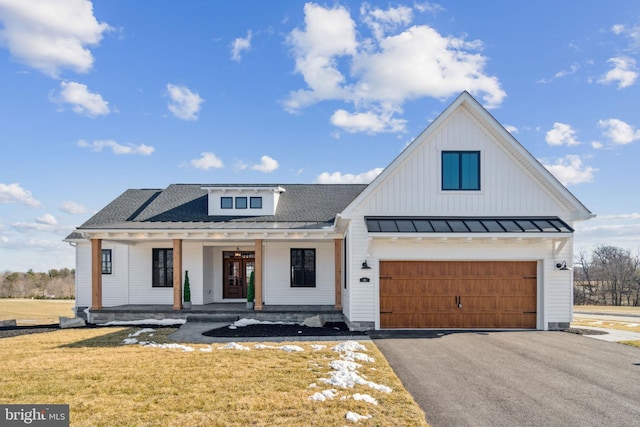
215	312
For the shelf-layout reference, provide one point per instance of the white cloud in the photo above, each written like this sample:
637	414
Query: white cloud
621	230
184	104
379	75
118	149
14	193
207	161
561	134
562	73
619	132
624	72
617	29
511	129
51	35
382	21
570	170
432	8
597	145
47	219
267	165
82	100
339	178
368	122
239	45
73	208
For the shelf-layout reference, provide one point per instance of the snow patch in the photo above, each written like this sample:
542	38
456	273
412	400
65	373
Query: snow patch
170	345
287	348
234	346
207	349
365	398
317	347
160	322
141	331
355	417
349	346
247	322
324	395
129	341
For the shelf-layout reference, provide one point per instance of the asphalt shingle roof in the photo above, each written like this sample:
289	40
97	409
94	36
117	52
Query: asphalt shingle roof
185	206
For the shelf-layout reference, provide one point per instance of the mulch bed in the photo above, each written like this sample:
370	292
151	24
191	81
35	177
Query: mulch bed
284	330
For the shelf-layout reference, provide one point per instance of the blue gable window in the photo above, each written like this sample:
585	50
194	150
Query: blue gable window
461	170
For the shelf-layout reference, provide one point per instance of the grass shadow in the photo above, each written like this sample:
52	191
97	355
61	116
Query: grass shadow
115	338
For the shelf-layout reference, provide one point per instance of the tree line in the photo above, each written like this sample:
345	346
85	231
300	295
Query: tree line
58	284
607	275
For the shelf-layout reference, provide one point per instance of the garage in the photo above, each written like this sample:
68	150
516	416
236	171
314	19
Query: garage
458	294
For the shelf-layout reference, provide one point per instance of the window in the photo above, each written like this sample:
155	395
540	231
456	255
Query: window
241	203
303	268
162	268
106	261
461	170
226	202
255	203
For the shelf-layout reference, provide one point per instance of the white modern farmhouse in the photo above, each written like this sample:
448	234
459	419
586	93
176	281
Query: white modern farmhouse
464	229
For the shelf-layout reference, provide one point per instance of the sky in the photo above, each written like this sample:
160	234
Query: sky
98	97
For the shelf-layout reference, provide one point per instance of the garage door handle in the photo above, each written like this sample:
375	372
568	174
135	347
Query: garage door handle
386	312
530	312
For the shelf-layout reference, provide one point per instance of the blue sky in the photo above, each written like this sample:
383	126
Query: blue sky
97	97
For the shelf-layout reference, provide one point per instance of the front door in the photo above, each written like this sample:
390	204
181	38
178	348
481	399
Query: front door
238	267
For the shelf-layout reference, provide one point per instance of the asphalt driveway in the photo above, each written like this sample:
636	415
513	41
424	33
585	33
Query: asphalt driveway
518	378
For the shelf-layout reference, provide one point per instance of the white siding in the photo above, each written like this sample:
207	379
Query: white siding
559	287
140	276
277	289
114	285
83	274
362	302
207	275
507	188
192	262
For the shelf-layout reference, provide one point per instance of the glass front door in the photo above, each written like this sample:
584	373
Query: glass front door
238	267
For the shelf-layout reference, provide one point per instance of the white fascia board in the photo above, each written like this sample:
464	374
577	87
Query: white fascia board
472	236
214	235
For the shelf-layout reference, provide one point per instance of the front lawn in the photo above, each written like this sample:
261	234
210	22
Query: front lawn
108	383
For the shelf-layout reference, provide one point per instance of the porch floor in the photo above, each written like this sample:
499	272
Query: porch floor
220	312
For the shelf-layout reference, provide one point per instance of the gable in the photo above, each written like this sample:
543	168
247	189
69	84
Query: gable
511	181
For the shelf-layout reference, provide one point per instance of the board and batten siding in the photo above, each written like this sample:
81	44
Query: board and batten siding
277	288
507	187
192	262
83	274
141	290
361	295
114	286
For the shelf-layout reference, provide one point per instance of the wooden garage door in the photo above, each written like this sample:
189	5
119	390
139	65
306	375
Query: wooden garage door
458	294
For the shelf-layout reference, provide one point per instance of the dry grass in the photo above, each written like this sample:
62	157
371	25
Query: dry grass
622	310
106	383
35	311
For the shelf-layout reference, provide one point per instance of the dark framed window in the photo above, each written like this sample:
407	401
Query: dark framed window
226	202
255	202
162	268
461	170
241	203
303	268
106	261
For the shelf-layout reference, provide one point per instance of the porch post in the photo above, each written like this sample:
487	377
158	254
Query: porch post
177	274
96	274
337	245
258	275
